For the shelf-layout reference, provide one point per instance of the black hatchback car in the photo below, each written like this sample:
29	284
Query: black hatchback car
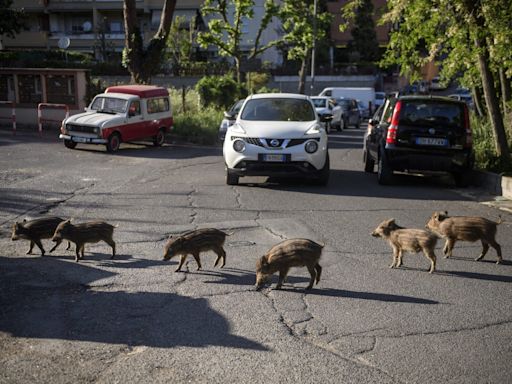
419	134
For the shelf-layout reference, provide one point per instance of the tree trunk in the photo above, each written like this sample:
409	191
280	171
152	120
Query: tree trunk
142	62
477	99
302	74
506	93
491	100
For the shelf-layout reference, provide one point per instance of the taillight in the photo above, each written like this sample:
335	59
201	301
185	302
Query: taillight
467	127
391	136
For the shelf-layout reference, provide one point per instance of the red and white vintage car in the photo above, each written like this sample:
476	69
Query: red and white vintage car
122	113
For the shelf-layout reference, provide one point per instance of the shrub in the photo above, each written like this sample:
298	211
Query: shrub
219	91
199	127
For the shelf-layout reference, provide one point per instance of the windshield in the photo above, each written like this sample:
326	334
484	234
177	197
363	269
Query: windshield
344	102
109	105
431	113
319	103
278	109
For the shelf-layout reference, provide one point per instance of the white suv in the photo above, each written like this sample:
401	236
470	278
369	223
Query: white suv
276	134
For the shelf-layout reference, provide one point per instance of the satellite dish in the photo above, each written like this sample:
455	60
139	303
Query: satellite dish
64	42
87	26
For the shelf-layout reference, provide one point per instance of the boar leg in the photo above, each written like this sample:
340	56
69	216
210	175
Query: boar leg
31	247
448	247
399	258
312	272
318	270
38	243
395	257
77	250
112	243
497	247
485	248
69	246
182	260
198	260
56	245
221	254
432	257
282	278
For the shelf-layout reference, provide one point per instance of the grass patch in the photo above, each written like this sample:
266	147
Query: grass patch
199	127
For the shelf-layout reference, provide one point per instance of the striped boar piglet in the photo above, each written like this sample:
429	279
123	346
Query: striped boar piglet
287	254
407	240
465	228
35	230
83	233
195	242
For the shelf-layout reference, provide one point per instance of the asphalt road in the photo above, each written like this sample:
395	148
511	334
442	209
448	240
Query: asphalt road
134	320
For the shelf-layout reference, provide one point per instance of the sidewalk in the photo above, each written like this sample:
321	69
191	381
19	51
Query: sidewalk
492	189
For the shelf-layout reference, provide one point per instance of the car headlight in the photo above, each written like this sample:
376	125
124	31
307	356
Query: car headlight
239	145
314	130
311	146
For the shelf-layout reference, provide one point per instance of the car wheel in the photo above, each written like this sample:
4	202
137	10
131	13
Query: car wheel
159	139
69	144
114	141
462	179
384	171
231	178
323	175
369	163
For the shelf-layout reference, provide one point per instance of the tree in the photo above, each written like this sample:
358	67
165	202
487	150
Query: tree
180	42
144	61
11	20
462	36
298	23
226	33
364	38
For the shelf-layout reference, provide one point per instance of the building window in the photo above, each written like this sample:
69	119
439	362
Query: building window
7	88
116	27
29	87
60	89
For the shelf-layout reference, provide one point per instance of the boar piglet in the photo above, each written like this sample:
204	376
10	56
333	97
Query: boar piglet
465	228
408	240
195	242
35	230
289	253
80	234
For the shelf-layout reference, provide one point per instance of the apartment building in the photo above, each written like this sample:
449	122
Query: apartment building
80	25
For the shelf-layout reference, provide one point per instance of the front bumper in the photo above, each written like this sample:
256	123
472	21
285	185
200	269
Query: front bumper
81	139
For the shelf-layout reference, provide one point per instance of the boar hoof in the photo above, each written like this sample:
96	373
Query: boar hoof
498	261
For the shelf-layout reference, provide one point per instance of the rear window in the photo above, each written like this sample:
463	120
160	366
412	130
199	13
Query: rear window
431	113
278	109
158	105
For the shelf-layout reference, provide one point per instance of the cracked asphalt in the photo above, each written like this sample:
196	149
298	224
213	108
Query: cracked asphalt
134	320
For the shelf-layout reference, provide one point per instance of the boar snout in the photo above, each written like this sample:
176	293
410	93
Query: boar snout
375	234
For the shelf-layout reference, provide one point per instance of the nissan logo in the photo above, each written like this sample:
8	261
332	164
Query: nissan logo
274	142
432	131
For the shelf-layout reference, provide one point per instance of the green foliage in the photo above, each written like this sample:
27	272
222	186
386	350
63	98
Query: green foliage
219	91
364	38
199	127
486	157
11	20
257	81
180	42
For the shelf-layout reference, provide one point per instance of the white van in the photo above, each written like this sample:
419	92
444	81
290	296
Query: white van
365	94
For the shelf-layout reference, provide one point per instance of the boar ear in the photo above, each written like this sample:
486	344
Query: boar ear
391	222
24	220
442	215
263	260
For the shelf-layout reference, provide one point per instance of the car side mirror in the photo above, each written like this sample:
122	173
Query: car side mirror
325	118
229	116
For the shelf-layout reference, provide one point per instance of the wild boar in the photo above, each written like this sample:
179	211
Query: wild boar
408	240
195	242
465	228
35	230
80	234
289	253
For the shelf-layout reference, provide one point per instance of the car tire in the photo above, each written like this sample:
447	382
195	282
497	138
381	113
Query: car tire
69	144
384	171
462	179
324	173
369	163
159	139
231	178
114	142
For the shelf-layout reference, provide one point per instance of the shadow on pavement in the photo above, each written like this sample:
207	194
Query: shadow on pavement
51	299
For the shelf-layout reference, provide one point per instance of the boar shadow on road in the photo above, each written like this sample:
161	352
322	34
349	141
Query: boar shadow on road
51	299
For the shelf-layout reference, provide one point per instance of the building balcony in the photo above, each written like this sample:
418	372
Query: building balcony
27	39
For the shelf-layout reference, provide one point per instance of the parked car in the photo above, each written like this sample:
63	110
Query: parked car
122	113
350	114
365	94
364	110
465	97
420	134
379	99
328	111
436	84
276	134
229	118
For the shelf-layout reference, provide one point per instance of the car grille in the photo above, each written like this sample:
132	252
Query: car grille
261	142
80	128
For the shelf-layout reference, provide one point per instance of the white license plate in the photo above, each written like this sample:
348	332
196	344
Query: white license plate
79	139
431	141
274	158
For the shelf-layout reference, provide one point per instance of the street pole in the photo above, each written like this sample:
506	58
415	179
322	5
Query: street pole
313	50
